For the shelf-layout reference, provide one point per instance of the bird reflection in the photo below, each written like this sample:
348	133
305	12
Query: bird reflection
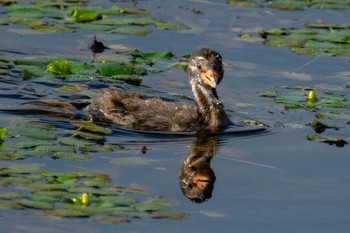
197	178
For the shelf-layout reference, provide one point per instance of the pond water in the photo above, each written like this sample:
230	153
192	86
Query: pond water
273	181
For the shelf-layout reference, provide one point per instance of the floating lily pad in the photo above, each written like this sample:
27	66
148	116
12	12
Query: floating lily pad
31	132
10	205
311	41
92	127
339	142
75	142
55	148
270	94
11	195
150	206
84	15
243	3
334	115
71	156
171	25
35	204
68	213
168	215
32	144
111	220
119	200
320	127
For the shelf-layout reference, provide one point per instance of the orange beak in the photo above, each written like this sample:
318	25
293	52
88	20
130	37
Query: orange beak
210	78
201	181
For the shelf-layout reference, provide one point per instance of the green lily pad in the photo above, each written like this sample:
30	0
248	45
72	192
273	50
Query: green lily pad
150	206
98	183
55	148
11	195
119	200
31	71
111	220
68	213
242	3
32	144
334	115
61	68
320	127
131	30
311	41
70	156
36	204
44	199
10	205
88	136
91	127
75	141
31	132
170	25
339	142
130	79
168	215
102	148
113	69
84	15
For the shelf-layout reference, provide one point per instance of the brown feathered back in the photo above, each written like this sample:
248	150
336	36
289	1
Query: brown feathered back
132	110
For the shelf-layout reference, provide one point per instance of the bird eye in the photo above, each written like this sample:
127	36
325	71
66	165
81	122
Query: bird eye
199	66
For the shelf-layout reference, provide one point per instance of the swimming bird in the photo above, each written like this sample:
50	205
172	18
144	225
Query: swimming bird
135	111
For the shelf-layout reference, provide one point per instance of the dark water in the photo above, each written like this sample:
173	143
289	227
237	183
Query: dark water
266	182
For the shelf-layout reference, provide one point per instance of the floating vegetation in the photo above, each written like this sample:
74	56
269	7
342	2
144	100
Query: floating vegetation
324	104
130	67
66	17
2	134
61	68
78	194
293	5
339	142
315	39
23	141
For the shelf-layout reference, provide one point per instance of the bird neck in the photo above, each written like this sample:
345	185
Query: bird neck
210	109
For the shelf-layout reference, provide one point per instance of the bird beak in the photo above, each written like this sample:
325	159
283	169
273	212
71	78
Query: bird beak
210	78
